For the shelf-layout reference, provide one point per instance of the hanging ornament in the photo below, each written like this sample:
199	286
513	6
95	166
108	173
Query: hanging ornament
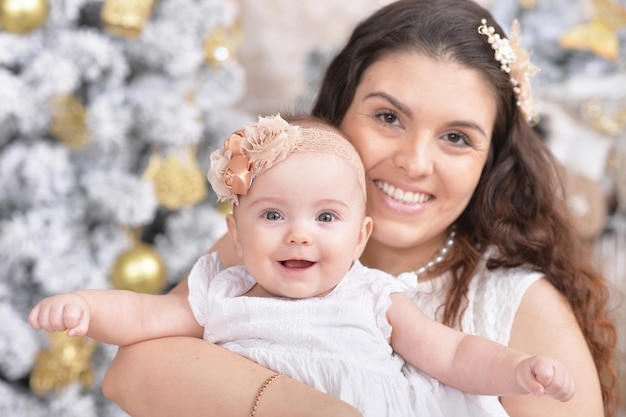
600	34
22	16
139	269
69	121
221	44
67	360
177	179
126	18
607	124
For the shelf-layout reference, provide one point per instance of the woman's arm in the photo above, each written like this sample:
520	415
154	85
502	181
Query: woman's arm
544	324
187	377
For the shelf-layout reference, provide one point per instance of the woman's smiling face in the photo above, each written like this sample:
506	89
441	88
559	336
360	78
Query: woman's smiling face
423	129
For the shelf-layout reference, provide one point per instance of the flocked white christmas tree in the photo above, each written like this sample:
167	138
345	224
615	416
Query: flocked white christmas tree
108	111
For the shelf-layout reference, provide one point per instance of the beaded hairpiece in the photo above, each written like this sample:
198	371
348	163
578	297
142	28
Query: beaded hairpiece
248	152
515	61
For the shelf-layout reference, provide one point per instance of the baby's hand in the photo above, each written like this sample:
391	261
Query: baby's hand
541	375
61	312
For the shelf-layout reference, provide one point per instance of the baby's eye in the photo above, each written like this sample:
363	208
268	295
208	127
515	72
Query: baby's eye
272	215
326	217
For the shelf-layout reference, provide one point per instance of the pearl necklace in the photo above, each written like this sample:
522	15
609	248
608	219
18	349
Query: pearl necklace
441	255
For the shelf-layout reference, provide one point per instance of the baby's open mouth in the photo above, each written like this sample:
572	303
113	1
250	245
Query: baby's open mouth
296	263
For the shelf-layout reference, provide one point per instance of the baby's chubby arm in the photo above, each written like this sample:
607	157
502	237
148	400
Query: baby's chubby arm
116	317
471	363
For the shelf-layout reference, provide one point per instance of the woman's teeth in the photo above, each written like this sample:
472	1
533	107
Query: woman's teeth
405	197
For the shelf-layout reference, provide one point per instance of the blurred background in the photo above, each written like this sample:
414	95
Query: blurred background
109	110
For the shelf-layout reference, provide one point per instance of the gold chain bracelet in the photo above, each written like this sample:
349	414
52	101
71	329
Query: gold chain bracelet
261	391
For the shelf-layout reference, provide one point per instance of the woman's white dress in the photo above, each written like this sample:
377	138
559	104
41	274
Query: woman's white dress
337	343
493	300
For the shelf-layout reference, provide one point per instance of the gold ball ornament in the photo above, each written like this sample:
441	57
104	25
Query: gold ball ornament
22	16
67	360
139	269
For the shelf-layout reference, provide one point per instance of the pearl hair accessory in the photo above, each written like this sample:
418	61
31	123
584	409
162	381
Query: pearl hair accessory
441	255
504	53
515	61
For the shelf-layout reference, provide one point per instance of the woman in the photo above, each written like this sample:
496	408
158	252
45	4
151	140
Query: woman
464	197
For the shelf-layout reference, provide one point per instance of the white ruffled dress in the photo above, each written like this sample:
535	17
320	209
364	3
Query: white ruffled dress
337	344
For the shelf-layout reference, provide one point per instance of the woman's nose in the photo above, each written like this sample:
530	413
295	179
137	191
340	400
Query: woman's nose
416	156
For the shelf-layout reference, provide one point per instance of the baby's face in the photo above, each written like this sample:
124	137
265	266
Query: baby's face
301	225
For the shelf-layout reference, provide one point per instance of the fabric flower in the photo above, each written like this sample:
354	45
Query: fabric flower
270	140
219	163
247	153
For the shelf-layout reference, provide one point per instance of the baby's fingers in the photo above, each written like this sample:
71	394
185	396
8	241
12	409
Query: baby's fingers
58	314
76	320
34	317
554	378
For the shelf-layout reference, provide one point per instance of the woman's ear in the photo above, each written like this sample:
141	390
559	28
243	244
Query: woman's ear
231	224
366	230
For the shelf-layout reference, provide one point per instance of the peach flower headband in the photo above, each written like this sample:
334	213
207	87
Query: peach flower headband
248	152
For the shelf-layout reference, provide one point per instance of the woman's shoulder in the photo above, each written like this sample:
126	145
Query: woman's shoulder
504	280
494	298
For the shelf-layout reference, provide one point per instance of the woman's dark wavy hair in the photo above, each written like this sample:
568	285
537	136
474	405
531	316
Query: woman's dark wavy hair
518	205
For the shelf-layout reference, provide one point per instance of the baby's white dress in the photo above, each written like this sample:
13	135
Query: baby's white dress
337	344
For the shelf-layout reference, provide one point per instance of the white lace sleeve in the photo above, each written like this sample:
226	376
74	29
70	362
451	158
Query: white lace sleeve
494	297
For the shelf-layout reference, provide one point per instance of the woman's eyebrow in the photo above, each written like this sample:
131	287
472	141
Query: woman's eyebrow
392	100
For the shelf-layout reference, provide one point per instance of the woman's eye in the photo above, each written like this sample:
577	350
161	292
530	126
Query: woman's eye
272	215
326	217
457	138
388	117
